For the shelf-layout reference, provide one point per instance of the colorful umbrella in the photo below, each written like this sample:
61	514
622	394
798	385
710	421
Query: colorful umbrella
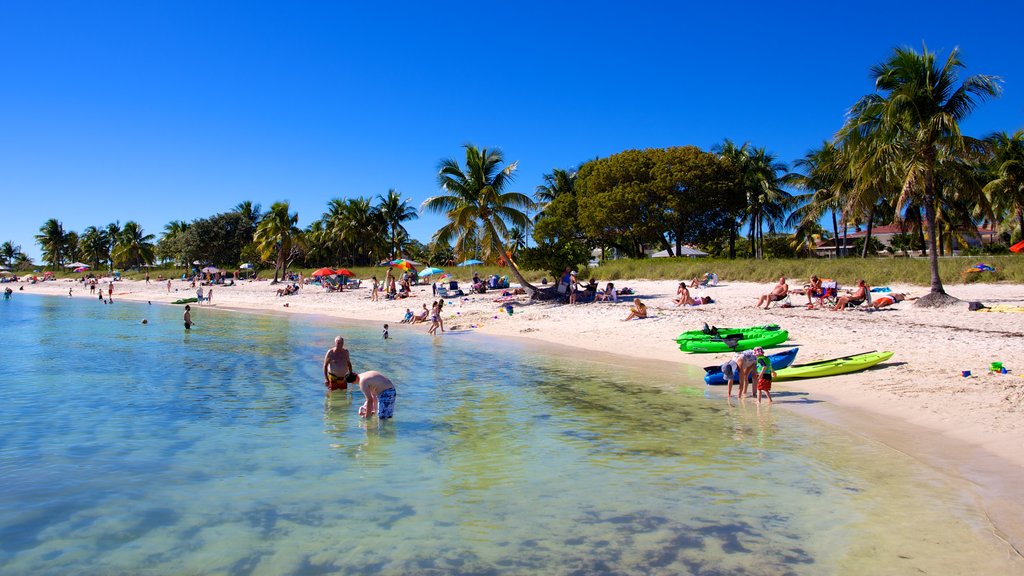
445	276
430	271
211	270
400	264
471	263
81	269
323	272
345	272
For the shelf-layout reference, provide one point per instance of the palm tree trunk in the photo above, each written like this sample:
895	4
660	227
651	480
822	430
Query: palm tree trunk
835	232
530	288
1020	221
867	238
732	240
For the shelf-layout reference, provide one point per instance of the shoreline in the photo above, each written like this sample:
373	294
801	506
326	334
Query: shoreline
917	403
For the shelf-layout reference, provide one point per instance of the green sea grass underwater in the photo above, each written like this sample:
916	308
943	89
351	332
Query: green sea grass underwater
142	449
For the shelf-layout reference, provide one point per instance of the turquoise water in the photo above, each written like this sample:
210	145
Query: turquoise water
141	449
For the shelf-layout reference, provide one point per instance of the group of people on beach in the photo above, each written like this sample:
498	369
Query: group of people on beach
821	296
743	367
378	389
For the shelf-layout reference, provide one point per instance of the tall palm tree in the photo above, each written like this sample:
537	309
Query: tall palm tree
394	210
93	244
133	247
52	239
478	208
278	232
1006	190
915	116
113	232
557	183
9	252
250	211
826	179
767	202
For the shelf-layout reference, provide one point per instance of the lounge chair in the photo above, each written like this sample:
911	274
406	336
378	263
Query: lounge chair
829	294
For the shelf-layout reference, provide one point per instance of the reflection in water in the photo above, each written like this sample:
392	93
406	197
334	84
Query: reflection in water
219	452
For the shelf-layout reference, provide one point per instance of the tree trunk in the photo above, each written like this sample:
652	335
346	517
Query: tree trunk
732	240
835	232
1020	222
937	296
920	234
530	288
867	238
846	233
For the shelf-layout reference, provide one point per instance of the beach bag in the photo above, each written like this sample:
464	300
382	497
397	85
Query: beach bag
975	306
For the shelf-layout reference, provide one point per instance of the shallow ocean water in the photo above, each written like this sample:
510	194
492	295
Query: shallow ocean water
142	449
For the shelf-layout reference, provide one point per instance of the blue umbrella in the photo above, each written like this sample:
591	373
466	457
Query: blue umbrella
470	263
431	272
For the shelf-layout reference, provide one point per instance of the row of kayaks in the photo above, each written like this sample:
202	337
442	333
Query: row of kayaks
782	363
713	339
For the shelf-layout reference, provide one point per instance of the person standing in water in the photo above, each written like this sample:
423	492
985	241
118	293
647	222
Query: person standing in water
337	366
187	317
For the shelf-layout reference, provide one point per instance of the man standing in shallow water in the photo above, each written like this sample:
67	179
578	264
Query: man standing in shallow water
337	365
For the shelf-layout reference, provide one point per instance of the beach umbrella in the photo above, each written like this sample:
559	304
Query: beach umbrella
245	266
470	263
323	272
76	265
211	270
345	272
6	273
445	276
400	264
431	271
81	269
4	268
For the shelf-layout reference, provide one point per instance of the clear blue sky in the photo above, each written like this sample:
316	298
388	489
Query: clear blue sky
159	111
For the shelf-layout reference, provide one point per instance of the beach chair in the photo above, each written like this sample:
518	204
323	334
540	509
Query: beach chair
829	294
784	303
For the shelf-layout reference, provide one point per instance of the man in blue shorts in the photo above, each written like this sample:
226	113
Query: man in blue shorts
379	391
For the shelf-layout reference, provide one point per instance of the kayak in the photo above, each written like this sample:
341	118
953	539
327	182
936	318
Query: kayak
731	339
834	366
779	360
185	301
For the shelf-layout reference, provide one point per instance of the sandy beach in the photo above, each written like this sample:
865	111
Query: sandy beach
920	401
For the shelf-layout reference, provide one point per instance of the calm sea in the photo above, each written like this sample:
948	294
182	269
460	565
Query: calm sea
142	449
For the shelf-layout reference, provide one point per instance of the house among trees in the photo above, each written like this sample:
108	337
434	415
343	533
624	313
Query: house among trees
896	238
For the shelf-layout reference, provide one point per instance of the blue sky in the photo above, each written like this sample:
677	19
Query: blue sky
159	111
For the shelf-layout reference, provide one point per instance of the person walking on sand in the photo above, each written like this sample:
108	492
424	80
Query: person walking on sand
337	365
379	391
168	285
209	296
147	277
435	319
199	295
374	290
765	374
187	317
779	292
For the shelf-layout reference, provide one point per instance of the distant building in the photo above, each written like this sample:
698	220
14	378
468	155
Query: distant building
884	235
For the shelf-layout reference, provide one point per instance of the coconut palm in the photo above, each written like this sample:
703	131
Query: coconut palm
93	245
133	247
478	208
9	252
556	184
1006	190
826	179
767	202
915	118
394	211
278	233
52	239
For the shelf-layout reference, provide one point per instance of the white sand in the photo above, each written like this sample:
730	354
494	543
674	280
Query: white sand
921	385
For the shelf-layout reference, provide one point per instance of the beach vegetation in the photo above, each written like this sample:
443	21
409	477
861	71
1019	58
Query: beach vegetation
911	127
53	241
279	237
478	207
395	211
133	247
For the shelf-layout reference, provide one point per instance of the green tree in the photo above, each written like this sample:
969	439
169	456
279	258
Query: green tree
915	117
826	181
9	253
477	206
1006	188
52	240
133	247
767	203
93	245
277	233
395	210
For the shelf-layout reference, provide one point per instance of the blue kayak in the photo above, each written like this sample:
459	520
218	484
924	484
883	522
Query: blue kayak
779	360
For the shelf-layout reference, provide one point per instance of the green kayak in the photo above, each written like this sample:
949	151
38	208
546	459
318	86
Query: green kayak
731	339
185	301
834	366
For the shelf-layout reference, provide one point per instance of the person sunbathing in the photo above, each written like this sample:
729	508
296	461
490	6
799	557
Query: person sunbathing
890	299
608	294
859	295
638	311
421	317
812	290
683	296
779	292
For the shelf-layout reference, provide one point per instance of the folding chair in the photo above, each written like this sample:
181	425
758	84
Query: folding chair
829	294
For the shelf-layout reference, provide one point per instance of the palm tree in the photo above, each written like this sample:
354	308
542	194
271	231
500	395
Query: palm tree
916	121
133	247
113	233
9	252
52	239
250	211
478	208
767	202
93	244
827	180
556	184
278	232
394	210
1006	190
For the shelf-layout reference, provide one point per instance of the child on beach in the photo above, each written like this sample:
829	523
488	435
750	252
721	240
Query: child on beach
385	334
765	374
